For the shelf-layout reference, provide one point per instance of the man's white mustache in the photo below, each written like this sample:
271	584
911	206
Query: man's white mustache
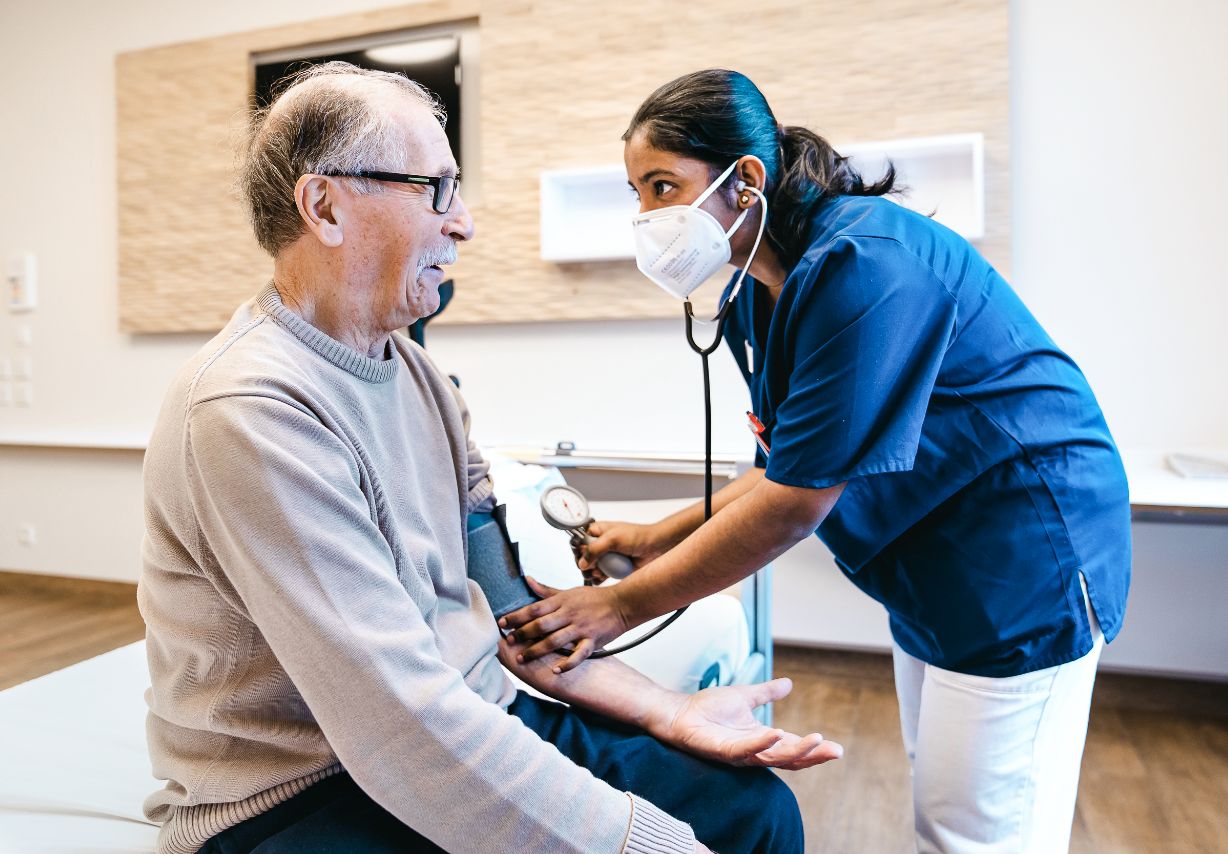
438	257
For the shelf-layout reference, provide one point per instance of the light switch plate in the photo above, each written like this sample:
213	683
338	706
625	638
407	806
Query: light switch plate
27	534
22	274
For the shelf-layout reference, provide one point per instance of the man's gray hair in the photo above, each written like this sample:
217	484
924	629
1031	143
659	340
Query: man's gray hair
325	118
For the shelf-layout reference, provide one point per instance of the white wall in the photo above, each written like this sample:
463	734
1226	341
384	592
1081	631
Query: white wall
1119	249
1121	234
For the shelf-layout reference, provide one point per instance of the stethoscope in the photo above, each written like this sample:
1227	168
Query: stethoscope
566	509
704	352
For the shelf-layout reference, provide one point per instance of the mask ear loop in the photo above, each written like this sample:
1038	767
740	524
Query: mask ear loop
754	250
703	197
719	318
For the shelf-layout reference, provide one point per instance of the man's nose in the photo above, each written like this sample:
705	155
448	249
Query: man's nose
458	224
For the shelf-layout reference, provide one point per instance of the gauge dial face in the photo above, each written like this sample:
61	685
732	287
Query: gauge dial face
564	508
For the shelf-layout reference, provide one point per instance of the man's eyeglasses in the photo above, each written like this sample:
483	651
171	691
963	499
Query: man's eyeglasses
445	186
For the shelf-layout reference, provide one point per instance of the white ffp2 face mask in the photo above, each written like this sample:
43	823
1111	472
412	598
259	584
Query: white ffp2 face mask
679	247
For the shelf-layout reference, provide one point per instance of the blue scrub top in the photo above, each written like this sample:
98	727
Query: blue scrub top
981	476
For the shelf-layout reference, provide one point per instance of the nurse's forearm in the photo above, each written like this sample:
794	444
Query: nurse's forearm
674	529
754	528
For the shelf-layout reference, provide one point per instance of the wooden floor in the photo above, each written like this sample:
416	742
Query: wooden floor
1154	777
47	623
1155	772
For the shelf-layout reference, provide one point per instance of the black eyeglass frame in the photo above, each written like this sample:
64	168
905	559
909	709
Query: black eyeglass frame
436	182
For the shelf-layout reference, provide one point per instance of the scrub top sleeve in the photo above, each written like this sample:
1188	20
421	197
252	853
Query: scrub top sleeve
868	328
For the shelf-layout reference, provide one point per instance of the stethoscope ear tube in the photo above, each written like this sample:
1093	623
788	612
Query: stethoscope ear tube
704	353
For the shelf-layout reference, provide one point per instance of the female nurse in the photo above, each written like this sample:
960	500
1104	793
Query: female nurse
913	414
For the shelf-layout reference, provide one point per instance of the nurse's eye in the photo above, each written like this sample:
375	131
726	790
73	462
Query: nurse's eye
661	187
633	192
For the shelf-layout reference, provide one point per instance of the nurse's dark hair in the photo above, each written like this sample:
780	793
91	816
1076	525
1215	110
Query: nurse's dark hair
718	116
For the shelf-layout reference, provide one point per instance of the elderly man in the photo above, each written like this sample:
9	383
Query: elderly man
325	676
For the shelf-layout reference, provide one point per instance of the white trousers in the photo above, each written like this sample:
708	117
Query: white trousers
995	762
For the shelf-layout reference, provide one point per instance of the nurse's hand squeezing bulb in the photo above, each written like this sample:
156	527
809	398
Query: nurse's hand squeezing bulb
613	564
566	509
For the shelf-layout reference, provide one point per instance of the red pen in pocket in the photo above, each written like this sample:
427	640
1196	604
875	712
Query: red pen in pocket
756	428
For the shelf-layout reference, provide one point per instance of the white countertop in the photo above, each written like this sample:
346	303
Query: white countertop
101	440
1153	483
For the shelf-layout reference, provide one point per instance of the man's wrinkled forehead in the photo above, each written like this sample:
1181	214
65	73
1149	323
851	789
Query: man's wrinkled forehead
421	137
427	150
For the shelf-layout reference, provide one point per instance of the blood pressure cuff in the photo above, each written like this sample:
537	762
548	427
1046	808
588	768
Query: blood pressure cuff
494	562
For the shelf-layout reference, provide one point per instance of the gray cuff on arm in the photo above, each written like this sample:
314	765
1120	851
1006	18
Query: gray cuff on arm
654	831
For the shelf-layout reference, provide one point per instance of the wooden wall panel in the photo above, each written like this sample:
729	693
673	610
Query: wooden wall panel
559	81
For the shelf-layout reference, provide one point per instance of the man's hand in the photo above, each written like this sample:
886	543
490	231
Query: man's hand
716	723
719	724
588	617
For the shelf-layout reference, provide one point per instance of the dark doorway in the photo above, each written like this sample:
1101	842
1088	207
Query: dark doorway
434	62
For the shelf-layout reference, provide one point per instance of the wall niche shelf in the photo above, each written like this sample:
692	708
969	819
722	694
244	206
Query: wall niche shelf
586	214
944	175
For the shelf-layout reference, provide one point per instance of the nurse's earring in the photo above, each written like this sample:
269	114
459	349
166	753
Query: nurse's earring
745	200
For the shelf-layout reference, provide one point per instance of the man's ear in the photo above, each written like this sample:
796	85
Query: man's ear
321	207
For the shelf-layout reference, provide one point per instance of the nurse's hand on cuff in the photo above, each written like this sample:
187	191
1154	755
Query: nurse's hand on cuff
588	617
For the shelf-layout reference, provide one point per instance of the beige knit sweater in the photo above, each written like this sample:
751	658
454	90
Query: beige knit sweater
308	610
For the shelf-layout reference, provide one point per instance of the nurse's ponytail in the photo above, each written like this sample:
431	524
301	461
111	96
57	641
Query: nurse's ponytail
812	171
718	116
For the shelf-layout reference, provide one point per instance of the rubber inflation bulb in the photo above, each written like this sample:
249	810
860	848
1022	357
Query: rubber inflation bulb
615	565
